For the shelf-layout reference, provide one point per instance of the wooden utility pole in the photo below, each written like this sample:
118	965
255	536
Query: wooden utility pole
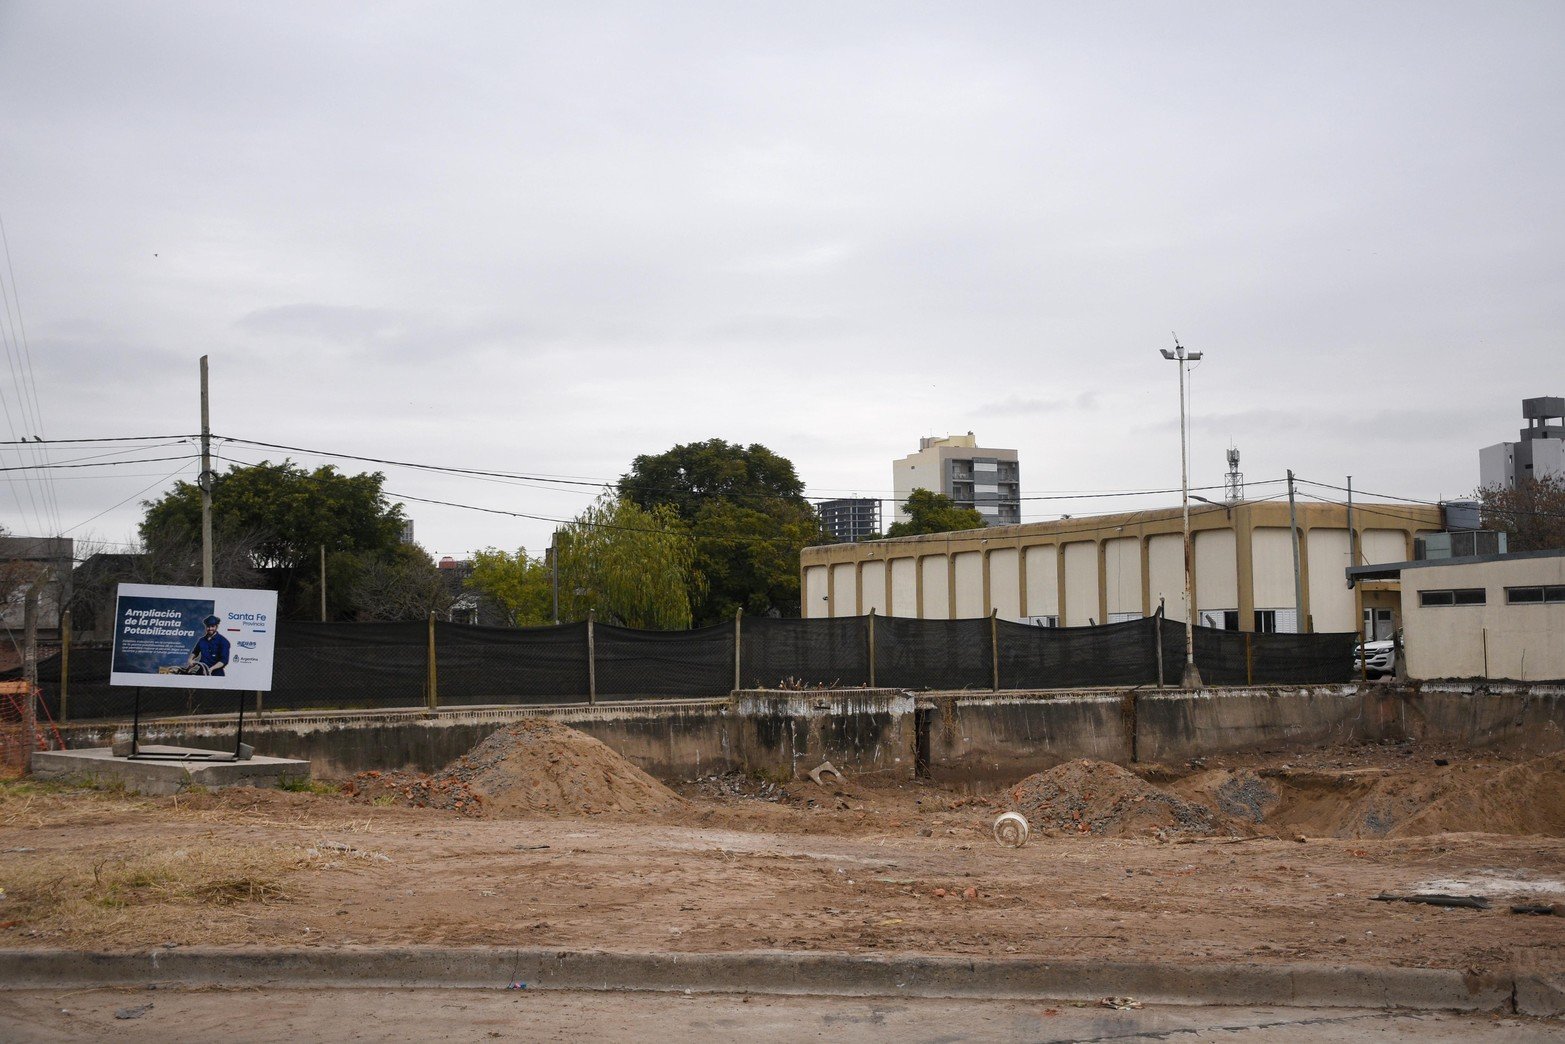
206	481
30	668
65	667
738	643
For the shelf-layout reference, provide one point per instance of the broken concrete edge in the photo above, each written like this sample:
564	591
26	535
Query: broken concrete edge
783	972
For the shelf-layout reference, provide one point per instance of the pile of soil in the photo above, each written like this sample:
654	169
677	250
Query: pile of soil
1239	795
1104	800
1364	793
532	767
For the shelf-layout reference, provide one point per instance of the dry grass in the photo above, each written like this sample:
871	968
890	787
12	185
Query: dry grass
104	897
29	803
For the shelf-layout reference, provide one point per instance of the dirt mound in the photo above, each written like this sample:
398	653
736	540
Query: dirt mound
1104	800
1464	797
532	767
1521	799
1239	794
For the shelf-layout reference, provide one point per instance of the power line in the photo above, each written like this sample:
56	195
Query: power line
111	438
93	464
19	357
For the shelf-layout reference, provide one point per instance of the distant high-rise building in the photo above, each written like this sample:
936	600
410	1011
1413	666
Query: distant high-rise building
851	519
1540	453
986	480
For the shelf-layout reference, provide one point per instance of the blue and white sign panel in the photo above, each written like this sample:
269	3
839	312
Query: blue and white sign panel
194	637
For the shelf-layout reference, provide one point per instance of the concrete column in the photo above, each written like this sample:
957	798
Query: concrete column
1059	578
1021	579
1144	545
1305	625
1100	550
950	582
1244	562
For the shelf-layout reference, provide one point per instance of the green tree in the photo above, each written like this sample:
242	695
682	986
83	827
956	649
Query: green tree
934	513
690	476
746	510
1532	515
632	566
519	587
269	523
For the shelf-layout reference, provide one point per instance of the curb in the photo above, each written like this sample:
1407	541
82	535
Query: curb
781	972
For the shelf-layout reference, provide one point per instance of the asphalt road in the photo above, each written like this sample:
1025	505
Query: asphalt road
427	1014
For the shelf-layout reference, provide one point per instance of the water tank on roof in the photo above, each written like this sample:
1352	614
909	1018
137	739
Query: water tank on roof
1458	515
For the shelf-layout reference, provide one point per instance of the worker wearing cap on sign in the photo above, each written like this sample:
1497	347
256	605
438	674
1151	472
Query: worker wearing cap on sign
211	649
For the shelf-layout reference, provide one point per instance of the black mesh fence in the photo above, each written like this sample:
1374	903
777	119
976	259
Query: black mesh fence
933	654
789	653
511	665
1077	657
663	663
322	666
365	666
1240	658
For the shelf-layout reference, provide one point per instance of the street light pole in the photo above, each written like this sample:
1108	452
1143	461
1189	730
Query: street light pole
1192	677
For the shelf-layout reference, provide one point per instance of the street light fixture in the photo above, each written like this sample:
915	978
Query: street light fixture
1192	677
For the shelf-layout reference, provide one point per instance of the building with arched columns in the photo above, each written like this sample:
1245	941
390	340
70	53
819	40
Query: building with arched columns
1082	571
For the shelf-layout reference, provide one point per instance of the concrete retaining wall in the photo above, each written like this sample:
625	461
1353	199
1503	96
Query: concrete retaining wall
981	738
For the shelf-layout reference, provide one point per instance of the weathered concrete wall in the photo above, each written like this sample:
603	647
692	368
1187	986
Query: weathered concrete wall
1004	737
1176	726
863	732
674	740
1511	717
980	738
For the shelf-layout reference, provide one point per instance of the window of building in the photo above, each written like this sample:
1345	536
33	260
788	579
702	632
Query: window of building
1222	619
1456	596
1535	595
1044	621
1277	621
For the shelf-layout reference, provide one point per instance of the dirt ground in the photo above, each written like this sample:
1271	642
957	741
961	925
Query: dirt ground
543	837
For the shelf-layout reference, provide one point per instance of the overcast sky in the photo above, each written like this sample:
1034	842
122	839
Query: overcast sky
545	238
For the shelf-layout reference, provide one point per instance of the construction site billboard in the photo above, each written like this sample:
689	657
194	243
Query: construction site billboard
194	637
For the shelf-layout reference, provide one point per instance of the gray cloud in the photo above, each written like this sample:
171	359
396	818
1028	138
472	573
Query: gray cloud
543	238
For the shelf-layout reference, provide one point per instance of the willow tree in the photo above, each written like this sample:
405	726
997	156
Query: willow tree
632	566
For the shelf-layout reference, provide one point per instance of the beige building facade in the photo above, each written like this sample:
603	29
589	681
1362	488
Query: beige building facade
1084	571
1500	618
985	480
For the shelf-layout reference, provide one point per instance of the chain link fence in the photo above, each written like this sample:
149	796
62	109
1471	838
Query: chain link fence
325	667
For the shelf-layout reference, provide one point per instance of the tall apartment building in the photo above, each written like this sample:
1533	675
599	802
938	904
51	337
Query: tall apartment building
986	480
1540	453
850	519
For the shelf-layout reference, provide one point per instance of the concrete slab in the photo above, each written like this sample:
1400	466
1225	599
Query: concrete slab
165	776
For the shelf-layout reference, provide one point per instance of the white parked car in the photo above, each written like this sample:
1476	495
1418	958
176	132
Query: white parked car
1376	659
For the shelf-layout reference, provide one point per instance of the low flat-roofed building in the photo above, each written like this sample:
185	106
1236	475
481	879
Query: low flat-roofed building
1499	617
1084	571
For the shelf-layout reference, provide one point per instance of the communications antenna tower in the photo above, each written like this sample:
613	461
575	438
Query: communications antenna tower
1233	488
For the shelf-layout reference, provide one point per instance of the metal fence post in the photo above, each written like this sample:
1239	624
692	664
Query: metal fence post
738	614
592	660
994	646
65	667
872	647
434	701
